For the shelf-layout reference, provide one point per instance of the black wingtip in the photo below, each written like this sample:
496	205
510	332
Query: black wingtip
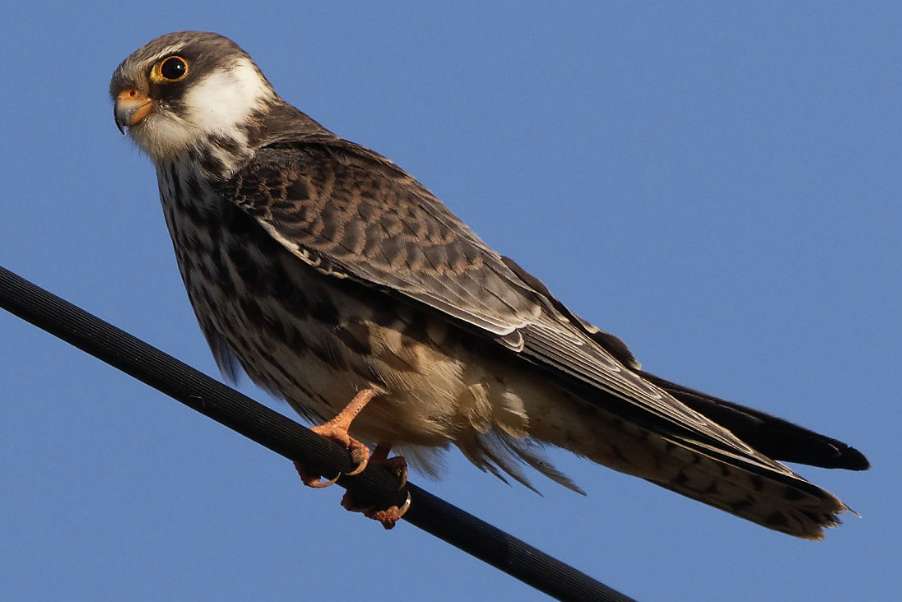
772	436
788	442
852	459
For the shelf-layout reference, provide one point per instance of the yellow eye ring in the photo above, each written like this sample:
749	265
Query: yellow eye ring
171	69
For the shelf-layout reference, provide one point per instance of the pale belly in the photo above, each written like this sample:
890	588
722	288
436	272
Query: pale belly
317	340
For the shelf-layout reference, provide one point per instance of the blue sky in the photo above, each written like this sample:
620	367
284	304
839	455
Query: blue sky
717	182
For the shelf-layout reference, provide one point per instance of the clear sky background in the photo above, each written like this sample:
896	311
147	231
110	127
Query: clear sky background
718	183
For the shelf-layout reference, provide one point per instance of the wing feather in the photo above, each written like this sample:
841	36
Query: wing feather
351	213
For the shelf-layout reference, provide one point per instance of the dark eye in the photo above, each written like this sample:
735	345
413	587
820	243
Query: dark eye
173	69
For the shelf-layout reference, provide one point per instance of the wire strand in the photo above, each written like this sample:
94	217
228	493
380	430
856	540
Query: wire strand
293	441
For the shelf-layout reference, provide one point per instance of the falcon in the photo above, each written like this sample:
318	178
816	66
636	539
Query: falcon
338	282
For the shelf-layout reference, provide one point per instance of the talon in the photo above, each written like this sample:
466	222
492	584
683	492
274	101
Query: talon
360	454
403	510
387	516
314	480
320	483
390	516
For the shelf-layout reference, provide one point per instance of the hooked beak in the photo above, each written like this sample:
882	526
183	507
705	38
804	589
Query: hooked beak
132	106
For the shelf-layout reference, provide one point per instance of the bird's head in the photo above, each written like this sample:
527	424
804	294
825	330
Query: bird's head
183	89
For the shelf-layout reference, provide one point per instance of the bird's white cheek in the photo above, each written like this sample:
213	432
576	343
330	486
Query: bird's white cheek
215	105
225	99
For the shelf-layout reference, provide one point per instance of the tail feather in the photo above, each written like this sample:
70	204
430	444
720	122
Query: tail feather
742	482
777	499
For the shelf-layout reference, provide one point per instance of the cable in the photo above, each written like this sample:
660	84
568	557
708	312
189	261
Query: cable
288	438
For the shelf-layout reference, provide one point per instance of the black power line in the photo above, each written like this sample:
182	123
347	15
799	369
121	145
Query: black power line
287	438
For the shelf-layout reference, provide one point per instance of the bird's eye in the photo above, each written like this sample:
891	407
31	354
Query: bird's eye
171	69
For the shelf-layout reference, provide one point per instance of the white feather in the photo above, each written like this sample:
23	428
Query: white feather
226	98
213	106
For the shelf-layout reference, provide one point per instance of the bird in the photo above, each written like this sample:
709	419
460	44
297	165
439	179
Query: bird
339	283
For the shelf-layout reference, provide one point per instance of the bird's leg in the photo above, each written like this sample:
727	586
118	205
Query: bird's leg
387	516
396	464
337	430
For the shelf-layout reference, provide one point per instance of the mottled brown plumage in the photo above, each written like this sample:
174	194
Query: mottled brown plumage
323	269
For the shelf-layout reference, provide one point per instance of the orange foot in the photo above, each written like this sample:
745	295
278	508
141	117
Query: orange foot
387	516
337	430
